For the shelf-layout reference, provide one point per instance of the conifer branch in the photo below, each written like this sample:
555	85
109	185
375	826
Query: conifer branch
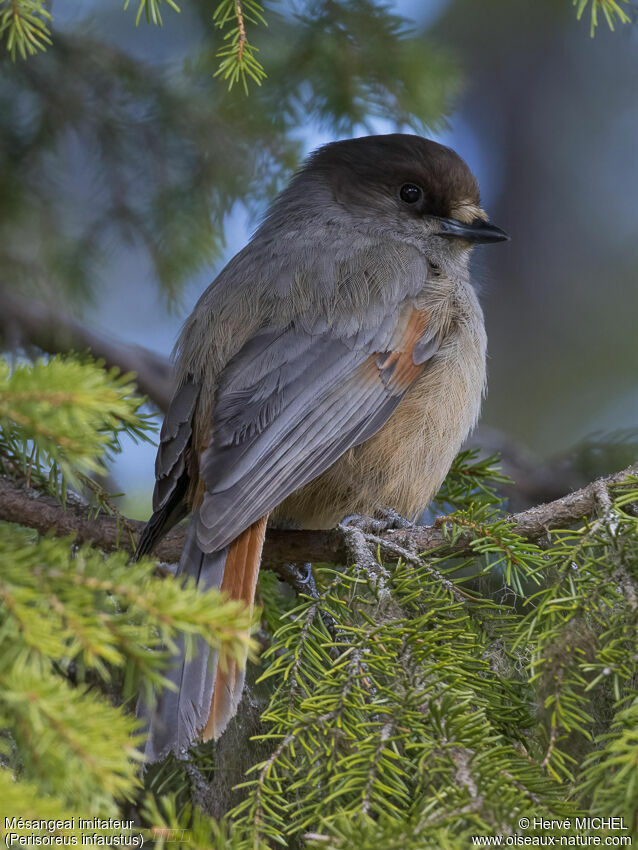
609	8
241	25
151	10
24	27
238	61
34	509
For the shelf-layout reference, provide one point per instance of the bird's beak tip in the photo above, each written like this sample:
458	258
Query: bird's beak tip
478	231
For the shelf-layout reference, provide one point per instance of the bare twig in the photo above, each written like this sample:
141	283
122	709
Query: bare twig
359	553
241	25
34	509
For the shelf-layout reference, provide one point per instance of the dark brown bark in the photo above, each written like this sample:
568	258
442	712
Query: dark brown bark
36	510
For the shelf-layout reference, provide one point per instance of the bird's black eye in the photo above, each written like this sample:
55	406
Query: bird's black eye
410	193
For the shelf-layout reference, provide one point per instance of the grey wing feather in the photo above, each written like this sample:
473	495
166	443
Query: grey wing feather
171	475
427	346
174	438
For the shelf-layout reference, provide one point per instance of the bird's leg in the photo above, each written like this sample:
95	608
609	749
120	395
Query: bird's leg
395	520
300	578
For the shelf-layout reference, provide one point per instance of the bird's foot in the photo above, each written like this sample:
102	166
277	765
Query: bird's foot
387	519
300	577
359	550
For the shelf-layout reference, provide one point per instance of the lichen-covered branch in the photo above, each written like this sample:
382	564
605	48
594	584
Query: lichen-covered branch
36	510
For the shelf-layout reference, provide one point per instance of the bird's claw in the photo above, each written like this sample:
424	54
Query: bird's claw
359	552
386	520
300	577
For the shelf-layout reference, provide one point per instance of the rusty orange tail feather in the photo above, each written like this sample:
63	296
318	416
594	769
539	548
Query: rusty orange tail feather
240	581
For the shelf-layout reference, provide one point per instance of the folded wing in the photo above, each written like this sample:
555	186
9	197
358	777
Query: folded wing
291	402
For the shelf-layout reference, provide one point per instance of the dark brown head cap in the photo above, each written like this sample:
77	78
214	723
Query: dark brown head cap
360	169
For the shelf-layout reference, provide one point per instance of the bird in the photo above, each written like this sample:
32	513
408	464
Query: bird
334	367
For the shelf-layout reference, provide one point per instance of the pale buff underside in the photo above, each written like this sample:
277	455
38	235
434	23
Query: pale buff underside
403	465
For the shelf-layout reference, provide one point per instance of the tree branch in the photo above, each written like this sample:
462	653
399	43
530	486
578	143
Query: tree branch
43	513
241	25
26	322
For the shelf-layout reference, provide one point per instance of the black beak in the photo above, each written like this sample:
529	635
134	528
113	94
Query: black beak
477	231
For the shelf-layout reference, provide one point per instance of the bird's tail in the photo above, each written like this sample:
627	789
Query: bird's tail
207	696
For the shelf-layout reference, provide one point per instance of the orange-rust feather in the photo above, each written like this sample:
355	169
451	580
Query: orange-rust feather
397	367
240	581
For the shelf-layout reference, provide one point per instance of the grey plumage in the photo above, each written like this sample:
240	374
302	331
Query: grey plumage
174	439
335	365
171	475
175	720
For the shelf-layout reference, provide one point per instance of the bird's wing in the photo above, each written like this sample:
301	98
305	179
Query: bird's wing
291	402
171	473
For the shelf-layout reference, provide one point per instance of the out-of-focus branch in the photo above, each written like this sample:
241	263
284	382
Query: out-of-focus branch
33	509
29	323
534	480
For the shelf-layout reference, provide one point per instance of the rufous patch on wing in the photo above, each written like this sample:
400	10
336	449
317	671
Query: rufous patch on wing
397	368
369	371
